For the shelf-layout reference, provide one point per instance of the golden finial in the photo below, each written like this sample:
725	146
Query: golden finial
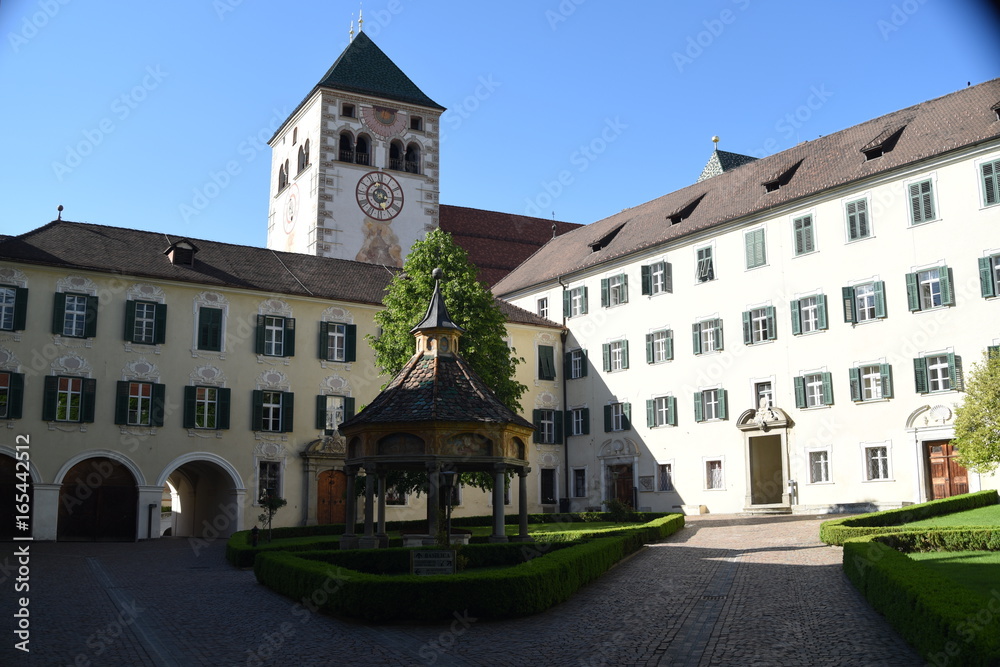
350	33
361	20
715	140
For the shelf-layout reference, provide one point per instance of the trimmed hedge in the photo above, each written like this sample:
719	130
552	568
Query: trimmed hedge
836	531
240	554
945	622
552	572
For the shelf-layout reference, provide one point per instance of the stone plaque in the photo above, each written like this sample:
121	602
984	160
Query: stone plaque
432	562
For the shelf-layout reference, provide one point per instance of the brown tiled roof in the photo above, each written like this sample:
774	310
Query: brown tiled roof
961	119
130	252
497	242
442	388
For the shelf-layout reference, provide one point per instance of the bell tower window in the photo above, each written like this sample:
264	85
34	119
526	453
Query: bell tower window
411	161
362	150
346	147
396	155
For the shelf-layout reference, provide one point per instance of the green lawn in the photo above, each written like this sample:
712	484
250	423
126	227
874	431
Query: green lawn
978	570
981	516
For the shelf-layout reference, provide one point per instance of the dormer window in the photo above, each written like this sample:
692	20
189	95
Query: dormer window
347	111
606	240
883	143
684	212
181	253
996	110
782	179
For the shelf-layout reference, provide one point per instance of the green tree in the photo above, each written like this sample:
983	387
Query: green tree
977	420
271	505
471	306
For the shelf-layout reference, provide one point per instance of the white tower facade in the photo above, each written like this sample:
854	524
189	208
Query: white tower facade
354	169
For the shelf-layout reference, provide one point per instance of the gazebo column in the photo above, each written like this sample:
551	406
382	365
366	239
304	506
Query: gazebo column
349	540
499	473
433	492
383	537
369	541
522	505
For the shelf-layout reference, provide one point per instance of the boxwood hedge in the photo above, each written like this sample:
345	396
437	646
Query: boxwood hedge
548	573
947	623
837	531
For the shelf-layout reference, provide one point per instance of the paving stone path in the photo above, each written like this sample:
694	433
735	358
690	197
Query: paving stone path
726	590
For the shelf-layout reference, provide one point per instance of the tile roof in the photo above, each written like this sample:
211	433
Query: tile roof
961	119
436	388
497	242
131	252
365	69
722	161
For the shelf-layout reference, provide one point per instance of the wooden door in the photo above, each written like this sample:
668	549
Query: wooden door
330	507
621	484
948	478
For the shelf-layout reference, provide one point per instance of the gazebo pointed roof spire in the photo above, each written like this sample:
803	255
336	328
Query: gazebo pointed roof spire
437	316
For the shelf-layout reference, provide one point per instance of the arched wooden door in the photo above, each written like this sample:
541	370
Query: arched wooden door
97	502
330	507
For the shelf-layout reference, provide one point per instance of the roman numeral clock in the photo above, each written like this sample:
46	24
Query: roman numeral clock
379	195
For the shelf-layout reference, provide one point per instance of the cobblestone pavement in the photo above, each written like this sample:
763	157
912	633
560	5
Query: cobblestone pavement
726	590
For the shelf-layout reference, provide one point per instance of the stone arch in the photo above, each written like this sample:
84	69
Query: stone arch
207	493
98	499
140	479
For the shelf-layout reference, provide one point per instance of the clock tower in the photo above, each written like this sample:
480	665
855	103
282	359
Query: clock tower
354	169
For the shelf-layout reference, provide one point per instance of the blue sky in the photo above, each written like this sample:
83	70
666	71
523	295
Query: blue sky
127	113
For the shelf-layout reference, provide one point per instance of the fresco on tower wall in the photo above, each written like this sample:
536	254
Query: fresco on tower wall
381	245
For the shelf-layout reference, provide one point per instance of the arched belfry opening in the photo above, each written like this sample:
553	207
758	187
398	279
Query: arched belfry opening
436	415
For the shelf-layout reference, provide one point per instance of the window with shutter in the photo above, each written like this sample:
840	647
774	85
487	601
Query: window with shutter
858	226
210	329
756	253
11	395
546	363
991	184
13	307
803	231
705	269
921	202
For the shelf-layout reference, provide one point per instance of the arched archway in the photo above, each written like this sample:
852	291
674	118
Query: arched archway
207	494
98	501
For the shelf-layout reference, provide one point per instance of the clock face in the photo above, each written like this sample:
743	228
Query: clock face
379	196
291	208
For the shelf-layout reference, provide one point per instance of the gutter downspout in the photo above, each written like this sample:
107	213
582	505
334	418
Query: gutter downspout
564	501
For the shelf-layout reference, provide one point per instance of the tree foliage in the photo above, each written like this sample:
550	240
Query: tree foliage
977	420
471	306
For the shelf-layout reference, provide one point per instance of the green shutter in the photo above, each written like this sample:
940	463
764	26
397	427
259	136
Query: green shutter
827	388
796	318
672	410
647	281
650	413
88	400
885	371
696	337
58	313
605	298
536	420
348	407
586	421
624	288
321	412
121	402
557	428
821	312
800	391
224	397
879	298
955	377
190	406
855	374
160	324
991	189
947	293
668	272
748	249
986	286
350	342
324	333
159	404
567	419
670	344
50	395
606	350
90	326
210	329
649	348
920	375
772	331
607	418
723	404
567	365
916	213
567	303
259	339
583	301
625	353
626	416
747	331
257	412
129	325
850	314
718	334
699	410
20	308
15	395
287	412
912	292
289	337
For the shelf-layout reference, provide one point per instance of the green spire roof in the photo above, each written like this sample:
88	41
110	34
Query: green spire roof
363	68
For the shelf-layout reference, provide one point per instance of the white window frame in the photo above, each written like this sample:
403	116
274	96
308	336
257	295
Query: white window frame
75	316
867	198
576	361
271	413
144	324
555	485
547	421
706	333
143	403
813	399
661	410
865	447
994	258
809	314
573	480
935	202
705	461
870	386
616	355
710	404
669	466
869	301
279	477
940	380
274	336
576	301
982	186
929	287
658	277
542	307
711	271
66	395
748	232
576	420
617	296
811	214
809	464
336	341
617	416
758	325
660	345
333	419
209	405
8	294
756	396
